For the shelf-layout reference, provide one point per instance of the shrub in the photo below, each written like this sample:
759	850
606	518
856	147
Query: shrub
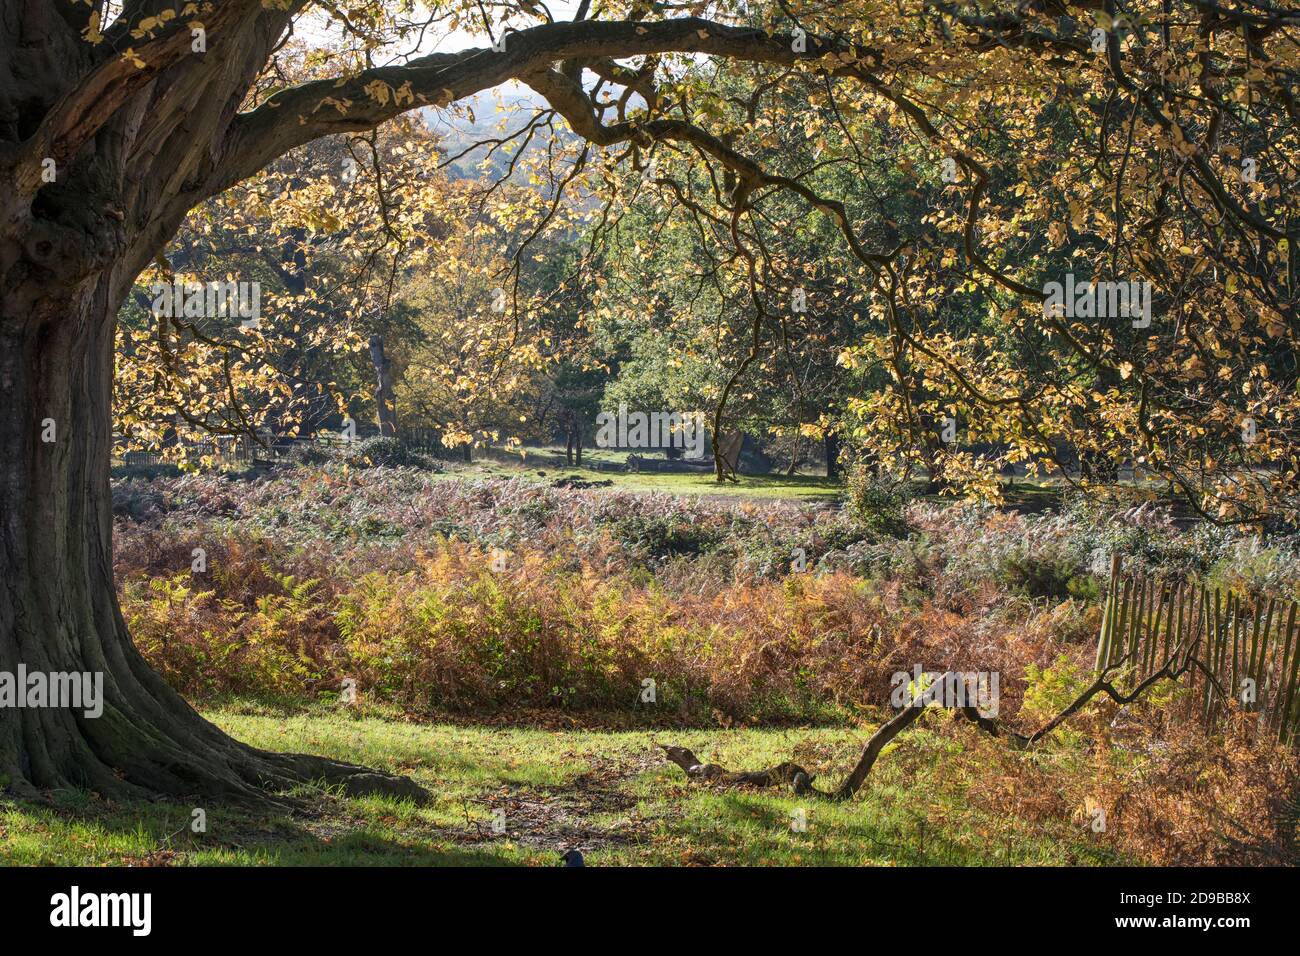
386	452
310	453
878	504
662	536
146	472
1046	575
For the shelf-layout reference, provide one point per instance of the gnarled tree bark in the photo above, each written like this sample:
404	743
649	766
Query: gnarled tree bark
58	610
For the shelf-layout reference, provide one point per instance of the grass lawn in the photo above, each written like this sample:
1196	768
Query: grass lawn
1017	493
805	487
542	471
610	794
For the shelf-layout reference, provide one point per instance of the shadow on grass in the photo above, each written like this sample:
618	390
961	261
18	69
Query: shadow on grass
76	829
878	831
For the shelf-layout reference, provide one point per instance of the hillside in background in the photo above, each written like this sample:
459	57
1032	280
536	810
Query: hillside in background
491	115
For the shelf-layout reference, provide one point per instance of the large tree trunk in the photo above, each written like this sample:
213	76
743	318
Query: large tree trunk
58	603
383	387
70	247
726	454
832	446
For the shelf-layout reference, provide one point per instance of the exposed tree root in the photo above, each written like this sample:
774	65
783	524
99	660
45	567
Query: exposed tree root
150	744
231	773
354	781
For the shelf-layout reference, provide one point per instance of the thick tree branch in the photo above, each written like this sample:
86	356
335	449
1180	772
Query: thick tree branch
91	103
303	113
795	776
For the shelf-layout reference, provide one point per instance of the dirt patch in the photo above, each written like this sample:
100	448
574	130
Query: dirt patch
563	817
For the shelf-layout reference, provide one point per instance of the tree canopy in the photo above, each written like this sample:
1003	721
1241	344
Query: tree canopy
921	172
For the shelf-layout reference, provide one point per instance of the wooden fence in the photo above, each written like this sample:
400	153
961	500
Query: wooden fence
1240	650
426	441
229	450
245	450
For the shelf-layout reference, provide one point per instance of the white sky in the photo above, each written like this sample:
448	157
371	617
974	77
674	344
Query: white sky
313	28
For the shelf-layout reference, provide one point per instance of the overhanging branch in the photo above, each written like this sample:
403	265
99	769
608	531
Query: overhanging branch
302	113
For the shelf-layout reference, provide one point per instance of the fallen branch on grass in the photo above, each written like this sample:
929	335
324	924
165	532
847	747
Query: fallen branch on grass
794	776
801	781
785	774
